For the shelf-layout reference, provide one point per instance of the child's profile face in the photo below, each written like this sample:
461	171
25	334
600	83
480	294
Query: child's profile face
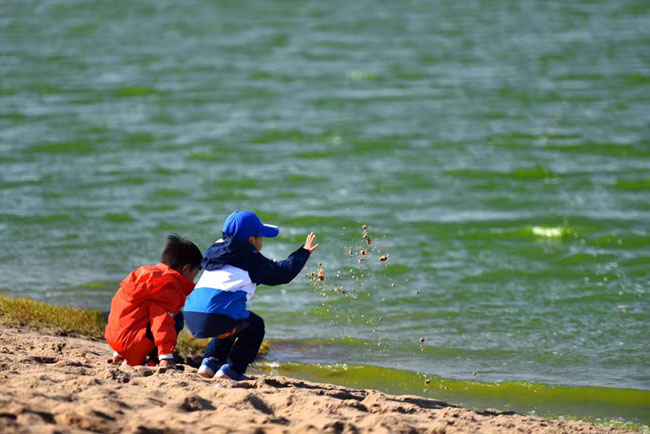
256	242
190	273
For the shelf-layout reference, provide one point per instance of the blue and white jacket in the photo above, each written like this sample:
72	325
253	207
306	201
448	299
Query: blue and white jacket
232	270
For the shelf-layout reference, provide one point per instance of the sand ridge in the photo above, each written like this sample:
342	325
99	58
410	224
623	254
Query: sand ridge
54	384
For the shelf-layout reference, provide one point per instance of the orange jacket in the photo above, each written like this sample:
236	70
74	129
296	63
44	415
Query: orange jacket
151	294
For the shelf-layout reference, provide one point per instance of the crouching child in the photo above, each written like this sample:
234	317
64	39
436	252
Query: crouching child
145	317
233	267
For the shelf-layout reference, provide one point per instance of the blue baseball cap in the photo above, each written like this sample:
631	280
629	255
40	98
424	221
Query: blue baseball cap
243	224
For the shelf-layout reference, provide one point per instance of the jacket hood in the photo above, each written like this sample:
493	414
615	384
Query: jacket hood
229	251
150	279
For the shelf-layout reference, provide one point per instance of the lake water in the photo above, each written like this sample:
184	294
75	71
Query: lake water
498	152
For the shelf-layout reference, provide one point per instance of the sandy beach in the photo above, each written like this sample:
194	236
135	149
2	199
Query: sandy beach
54	384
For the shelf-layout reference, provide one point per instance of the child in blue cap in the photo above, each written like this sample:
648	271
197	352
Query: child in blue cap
233	267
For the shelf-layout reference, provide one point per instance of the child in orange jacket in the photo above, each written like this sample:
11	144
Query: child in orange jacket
146	311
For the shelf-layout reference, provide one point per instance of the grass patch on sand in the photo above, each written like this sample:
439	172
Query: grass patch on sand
60	320
72	321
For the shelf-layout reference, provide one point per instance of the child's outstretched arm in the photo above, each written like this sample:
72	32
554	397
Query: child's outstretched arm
268	272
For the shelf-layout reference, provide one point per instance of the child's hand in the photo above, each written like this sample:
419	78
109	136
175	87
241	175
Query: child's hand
309	243
167	363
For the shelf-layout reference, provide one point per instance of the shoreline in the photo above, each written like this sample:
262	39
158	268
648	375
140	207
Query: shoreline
64	384
599	405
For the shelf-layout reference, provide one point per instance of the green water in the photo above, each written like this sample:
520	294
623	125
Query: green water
600	405
499	153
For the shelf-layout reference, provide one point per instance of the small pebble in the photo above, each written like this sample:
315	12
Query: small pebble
360	260
364	252
383	258
364	227
393	285
474	373
421	340
417	292
383	299
427	381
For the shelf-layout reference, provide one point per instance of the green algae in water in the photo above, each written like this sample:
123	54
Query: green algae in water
119	218
599	404
505	163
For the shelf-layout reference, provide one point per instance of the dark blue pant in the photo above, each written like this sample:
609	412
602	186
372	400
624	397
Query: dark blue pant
179	324
236	341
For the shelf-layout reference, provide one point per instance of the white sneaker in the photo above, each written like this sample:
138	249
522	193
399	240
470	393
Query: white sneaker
226	373
206	372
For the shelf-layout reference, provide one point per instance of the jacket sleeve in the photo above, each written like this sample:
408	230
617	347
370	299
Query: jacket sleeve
265	271
161	318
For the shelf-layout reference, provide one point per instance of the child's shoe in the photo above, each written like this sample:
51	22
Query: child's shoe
117	358
226	372
208	368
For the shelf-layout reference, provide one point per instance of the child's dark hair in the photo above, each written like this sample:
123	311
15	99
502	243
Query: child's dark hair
179	252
